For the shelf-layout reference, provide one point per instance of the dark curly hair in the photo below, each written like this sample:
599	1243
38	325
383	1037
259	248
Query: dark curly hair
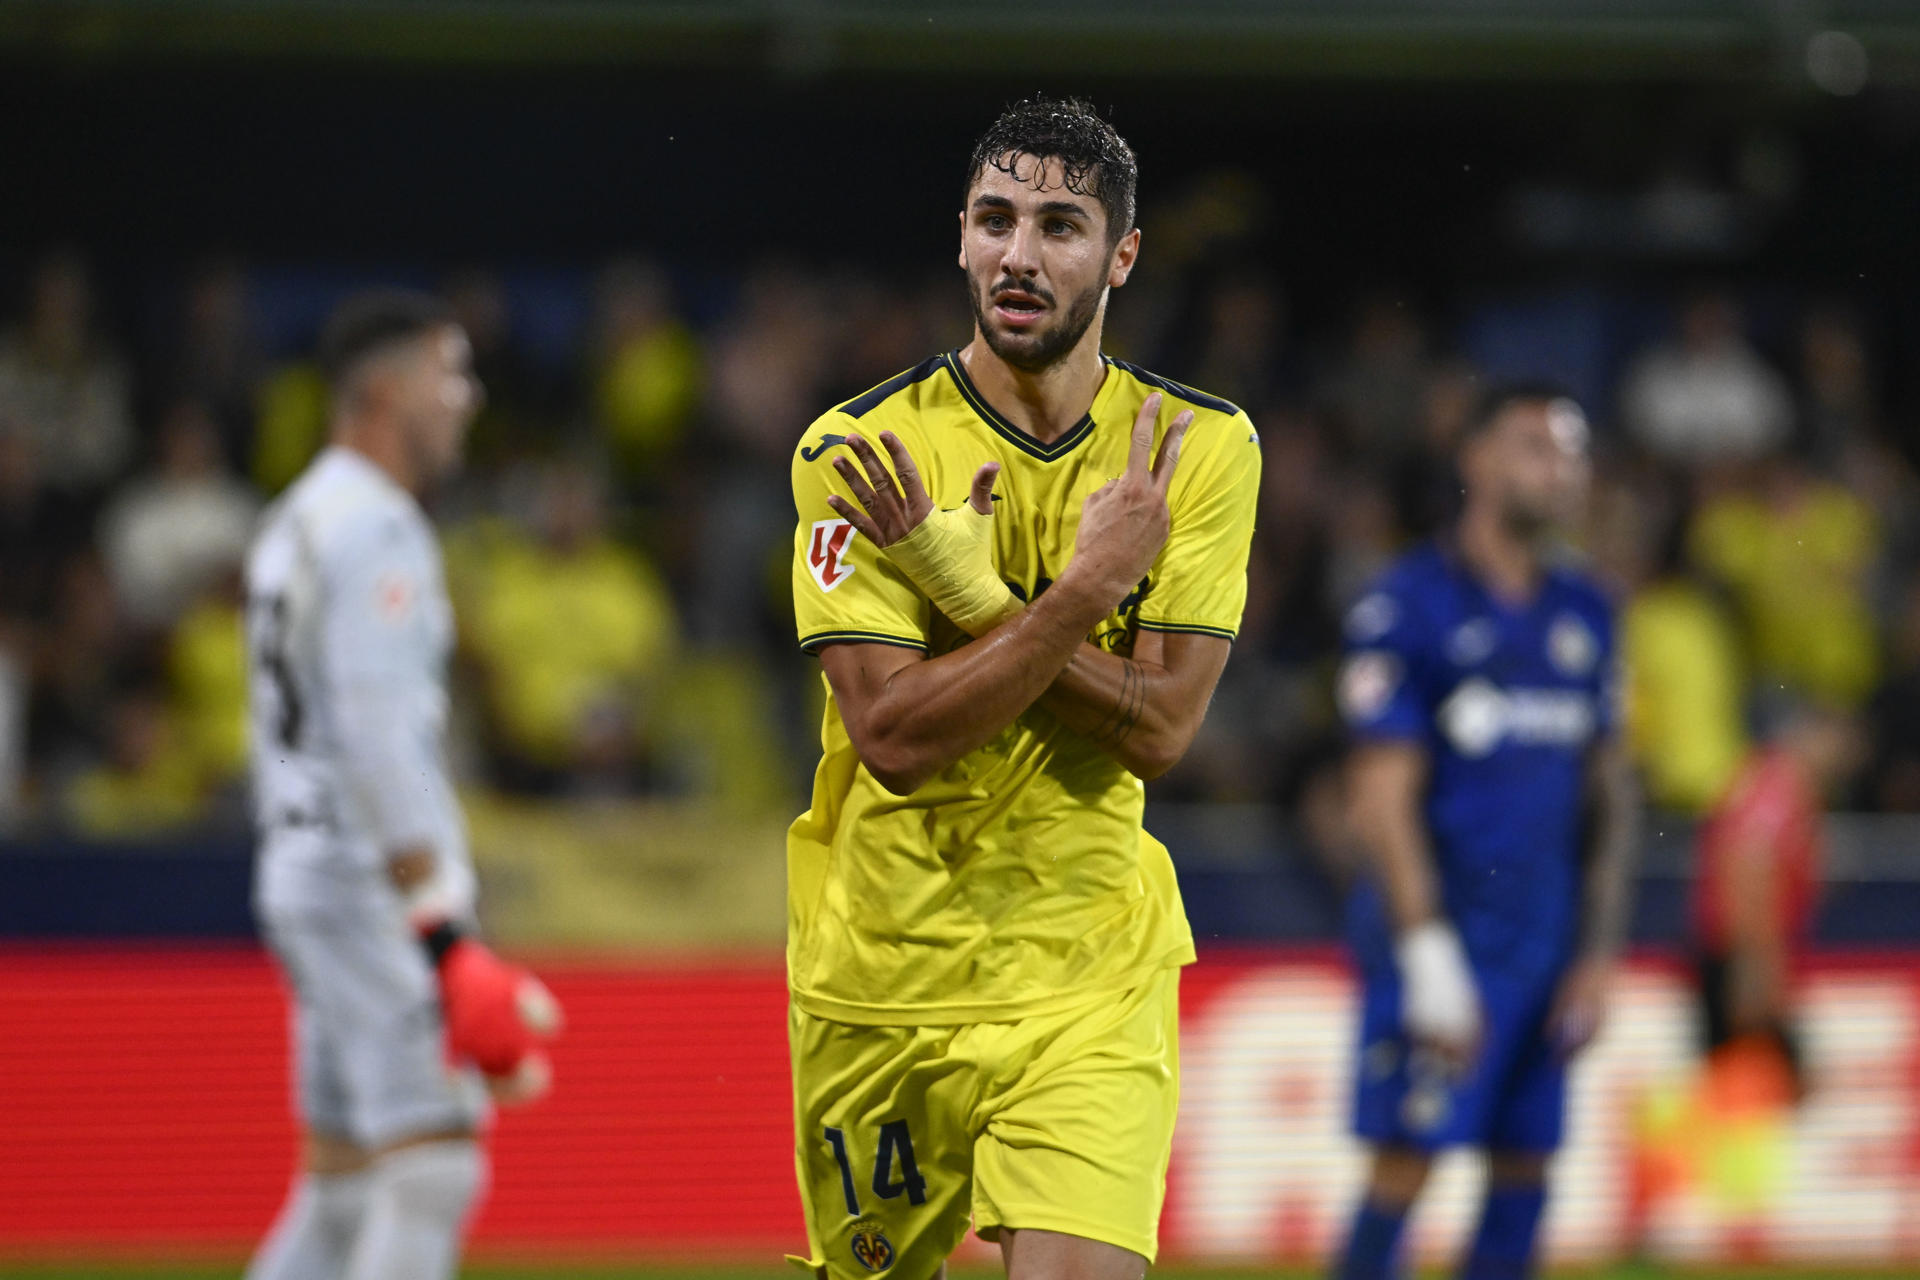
1502	396
1097	161
369	322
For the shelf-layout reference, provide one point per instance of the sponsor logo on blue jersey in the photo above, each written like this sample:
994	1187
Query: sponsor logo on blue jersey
1480	717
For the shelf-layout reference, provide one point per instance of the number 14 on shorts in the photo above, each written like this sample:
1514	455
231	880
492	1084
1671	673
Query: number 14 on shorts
894	1147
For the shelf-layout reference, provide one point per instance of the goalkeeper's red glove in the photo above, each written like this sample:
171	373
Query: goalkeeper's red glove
497	1014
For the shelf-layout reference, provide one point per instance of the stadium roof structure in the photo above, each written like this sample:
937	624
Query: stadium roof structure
1798	44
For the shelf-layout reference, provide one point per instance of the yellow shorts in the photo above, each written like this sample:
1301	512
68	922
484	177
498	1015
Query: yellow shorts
1058	1122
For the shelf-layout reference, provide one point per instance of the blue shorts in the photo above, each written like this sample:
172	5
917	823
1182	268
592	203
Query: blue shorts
1512	1099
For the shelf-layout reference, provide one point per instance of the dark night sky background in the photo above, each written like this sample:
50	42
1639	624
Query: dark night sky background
150	164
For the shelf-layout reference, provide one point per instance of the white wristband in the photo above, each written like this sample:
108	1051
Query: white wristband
1438	998
949	556
434	900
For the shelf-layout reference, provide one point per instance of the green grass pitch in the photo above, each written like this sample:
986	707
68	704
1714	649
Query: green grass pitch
584	1271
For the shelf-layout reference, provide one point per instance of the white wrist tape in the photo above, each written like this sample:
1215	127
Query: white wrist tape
1438	999
949	556
435	900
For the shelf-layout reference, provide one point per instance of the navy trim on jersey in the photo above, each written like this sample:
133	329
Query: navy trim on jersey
812	643
866	402
1186	628
1180	390
1014	435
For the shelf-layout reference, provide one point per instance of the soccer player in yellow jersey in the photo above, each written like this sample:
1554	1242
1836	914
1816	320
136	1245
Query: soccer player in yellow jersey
1021	614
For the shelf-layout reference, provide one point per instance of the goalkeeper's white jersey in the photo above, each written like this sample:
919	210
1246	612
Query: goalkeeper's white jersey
348	635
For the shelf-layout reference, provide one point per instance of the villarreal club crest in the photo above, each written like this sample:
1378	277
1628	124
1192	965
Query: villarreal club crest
871	1248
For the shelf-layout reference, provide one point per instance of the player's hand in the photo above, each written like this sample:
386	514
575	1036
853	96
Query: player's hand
1439	1003
497	1015
948	555
1125	522
1580	1006
889	512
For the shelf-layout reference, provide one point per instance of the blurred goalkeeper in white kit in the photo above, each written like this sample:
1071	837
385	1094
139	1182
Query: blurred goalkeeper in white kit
402	1022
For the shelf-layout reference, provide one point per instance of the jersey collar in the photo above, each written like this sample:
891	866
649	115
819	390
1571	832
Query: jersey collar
1447	545
344	458
1014	435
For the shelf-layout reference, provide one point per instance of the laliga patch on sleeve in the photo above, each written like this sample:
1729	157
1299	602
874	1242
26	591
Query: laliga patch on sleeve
1572	646
827	553
394	595
1372	617
1367	683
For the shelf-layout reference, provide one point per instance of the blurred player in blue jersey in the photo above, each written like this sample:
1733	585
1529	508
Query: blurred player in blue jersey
1498	816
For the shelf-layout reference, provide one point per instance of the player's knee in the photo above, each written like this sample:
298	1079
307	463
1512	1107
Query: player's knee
435	1182
1054	1255
1398	1175
325	1155
1516	1168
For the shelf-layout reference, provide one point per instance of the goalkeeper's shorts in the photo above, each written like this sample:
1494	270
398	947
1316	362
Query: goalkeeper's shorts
370	1059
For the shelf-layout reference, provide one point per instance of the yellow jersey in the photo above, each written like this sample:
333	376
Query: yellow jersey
1019	880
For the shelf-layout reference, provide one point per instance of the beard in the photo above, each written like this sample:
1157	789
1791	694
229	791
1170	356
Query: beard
1031	353
434	451
1529	521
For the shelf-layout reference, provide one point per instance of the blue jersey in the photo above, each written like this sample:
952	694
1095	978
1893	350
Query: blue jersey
1508	699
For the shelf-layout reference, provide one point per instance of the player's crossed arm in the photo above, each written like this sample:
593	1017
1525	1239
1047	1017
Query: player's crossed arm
948	555
1144	708
911	716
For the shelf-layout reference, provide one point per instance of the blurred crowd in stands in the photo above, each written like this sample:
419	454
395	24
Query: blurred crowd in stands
618	545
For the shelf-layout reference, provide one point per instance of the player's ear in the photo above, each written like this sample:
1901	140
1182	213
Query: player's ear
367	388
1124	255
1472	458
963	239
